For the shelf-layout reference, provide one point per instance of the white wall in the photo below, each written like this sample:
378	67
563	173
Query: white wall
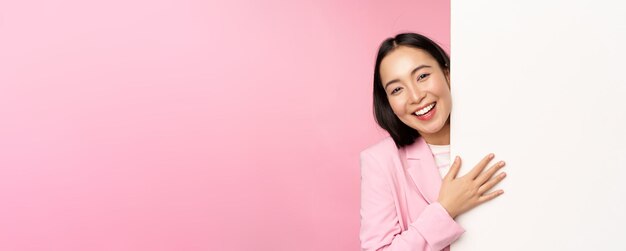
542	85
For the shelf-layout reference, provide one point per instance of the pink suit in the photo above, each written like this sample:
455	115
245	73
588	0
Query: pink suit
399	208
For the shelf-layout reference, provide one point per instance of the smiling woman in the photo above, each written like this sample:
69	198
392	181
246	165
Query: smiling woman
409	199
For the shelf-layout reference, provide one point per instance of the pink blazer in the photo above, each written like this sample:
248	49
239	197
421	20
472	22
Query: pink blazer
399	208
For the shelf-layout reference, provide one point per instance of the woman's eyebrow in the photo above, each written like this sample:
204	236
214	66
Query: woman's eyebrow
412	72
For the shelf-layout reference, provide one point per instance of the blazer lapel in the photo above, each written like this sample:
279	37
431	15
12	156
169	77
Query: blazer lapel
423	170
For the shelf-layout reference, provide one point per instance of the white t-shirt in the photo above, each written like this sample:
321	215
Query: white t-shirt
442	158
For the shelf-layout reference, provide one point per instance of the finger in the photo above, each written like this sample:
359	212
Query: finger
454	169
491	183
481	166
482	178
489	196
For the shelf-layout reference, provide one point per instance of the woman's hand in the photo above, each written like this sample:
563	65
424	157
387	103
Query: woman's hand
459	195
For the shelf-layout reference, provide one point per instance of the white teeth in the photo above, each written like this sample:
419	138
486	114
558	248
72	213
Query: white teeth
425	110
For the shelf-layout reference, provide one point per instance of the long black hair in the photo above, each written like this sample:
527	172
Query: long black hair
401	133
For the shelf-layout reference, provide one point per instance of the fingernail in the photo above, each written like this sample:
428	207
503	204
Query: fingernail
491	155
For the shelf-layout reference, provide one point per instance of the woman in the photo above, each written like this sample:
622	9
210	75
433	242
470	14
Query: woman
409	199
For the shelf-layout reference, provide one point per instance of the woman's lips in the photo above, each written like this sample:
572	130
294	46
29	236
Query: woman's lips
430	114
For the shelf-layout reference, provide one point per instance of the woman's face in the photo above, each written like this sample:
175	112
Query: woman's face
417	88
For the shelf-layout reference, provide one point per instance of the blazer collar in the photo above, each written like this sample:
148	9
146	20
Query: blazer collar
423	170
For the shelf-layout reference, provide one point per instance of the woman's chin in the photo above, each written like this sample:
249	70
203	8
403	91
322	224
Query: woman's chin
431	129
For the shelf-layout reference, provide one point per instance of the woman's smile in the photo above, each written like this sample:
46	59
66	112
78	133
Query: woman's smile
427	112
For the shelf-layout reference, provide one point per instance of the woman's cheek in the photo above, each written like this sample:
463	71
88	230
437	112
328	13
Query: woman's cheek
397	108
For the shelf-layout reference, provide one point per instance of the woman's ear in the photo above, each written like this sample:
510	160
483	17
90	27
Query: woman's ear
447	74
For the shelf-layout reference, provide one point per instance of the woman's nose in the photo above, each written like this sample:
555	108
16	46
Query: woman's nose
415	95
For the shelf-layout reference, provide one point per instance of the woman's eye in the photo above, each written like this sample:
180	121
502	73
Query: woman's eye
423	75
395	90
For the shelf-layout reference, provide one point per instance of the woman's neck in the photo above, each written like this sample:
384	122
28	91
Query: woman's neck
442	137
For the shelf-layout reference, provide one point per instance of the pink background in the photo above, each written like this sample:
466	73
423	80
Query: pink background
190	125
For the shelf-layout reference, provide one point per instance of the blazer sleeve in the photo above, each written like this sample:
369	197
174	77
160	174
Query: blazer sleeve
380	228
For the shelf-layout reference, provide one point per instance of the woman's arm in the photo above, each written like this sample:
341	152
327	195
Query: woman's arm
380	228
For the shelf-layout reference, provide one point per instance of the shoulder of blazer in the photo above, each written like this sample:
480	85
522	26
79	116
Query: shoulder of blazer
386	146
384	151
